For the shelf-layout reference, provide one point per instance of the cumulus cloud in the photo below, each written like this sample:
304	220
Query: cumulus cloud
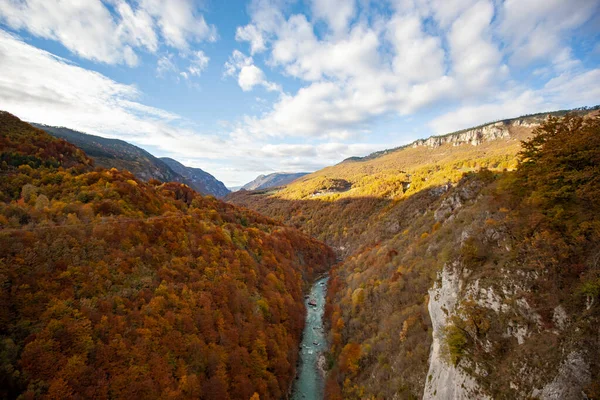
546	37
37	86
336	13
92	30
248	74
251	34
425	52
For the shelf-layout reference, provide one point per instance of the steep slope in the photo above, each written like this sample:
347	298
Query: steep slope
451	284
481	133
345	204
198	179
273	180
111	287
115	153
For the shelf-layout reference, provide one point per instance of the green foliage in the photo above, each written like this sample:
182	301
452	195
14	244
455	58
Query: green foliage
455	340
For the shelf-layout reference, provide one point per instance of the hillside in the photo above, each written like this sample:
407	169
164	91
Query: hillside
115	153
478	134
273	180
197	179
469	267
343	204
112	287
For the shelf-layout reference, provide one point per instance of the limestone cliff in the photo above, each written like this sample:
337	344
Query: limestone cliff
476	136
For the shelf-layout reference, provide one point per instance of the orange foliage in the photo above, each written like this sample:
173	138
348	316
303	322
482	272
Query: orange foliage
114	288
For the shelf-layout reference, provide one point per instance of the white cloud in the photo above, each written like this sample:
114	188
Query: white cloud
568	90
249	75
337	13
476	59
90	30
574	90
419	57
198	63
251	34
37	86
179	22
536	30
168	65
427	52
508	106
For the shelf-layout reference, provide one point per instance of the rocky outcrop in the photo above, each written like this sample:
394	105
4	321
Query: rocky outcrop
573	375
476	136
463	380
444	380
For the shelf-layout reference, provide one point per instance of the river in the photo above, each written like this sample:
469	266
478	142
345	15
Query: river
309	383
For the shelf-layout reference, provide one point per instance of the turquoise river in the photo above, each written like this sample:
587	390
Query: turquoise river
309	383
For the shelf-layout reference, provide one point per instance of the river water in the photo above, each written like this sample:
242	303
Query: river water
309	383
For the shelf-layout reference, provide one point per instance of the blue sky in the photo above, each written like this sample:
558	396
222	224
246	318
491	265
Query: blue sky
242	88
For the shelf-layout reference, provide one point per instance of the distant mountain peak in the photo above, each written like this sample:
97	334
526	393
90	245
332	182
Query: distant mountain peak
273	180
197	178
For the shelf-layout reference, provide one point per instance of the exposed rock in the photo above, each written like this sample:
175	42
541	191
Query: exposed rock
573	375
560	317
446	381
456	200
498	130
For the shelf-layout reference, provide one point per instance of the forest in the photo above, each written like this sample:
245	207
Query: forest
114	288
528	229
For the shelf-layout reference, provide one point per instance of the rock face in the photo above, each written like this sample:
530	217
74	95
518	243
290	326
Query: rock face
476	136
273	180
444	380
197	179
572	376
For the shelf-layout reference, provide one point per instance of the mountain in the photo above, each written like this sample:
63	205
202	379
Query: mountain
482	133
273	180
112	287
115	153
468	262
197	179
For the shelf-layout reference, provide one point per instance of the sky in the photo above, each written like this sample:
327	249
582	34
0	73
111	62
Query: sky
242	88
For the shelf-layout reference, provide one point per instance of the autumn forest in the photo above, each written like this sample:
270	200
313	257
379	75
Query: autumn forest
112	287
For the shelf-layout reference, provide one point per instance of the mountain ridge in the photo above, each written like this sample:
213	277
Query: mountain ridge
273	180
117	153
197	178
477	134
